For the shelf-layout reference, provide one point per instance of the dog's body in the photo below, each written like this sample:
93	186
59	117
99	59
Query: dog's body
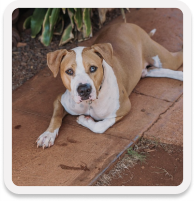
100	78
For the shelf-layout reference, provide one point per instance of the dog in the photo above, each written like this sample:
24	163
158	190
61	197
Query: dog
100	78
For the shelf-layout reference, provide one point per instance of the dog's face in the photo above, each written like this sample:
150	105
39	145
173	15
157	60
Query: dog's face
82	73
81	69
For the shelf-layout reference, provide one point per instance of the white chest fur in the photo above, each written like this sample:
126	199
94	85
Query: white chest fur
105	106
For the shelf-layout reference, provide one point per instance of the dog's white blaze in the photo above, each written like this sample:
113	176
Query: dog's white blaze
104	108
80	76
157	62
79	60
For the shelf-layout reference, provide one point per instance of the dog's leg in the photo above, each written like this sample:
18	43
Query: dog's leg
157	56
97	127
102	126
48	137
166	62
162	72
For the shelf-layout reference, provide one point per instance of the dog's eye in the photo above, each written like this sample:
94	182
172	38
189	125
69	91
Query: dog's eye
93	69
69	72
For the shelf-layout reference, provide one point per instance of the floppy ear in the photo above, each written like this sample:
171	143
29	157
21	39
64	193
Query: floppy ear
104	50
54	60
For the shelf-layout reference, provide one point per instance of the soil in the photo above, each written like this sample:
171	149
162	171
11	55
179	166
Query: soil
151	170
155	171
30	59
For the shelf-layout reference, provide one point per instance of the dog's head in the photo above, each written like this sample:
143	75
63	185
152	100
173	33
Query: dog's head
81	69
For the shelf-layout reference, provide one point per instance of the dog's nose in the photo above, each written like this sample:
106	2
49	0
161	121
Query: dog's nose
84	91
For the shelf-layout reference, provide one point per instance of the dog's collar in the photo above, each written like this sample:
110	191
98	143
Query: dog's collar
102	79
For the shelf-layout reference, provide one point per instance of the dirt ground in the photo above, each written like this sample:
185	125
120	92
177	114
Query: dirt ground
151	163
148	163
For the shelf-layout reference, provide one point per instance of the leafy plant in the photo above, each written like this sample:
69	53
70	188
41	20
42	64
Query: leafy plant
71	23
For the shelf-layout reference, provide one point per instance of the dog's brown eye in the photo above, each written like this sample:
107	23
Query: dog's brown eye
93	69
69	72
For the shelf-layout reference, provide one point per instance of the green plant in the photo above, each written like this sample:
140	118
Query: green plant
71	23
57	21
137	156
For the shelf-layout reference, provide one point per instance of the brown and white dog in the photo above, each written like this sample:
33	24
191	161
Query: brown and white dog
100	78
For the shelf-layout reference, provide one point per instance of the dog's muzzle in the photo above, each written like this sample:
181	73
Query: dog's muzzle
84	91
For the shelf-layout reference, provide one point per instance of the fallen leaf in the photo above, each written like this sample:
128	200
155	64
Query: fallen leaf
21	44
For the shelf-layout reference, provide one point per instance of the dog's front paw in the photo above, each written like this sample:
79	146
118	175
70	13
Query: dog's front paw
47	139
85	120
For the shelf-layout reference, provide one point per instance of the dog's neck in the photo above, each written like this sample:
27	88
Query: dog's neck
108	83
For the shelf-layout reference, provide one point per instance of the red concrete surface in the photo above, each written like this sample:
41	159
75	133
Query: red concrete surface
169	127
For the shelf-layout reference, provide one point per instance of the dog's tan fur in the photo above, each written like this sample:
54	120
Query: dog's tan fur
128	49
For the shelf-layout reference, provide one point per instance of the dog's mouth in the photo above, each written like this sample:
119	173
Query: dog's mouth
85	98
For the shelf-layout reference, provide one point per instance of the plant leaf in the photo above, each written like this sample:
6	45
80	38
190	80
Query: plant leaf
87	28
46	33
59	27
27	22
37	21
54	18
64	10
67	35
102	14
71	13
123	14
49	23
78	18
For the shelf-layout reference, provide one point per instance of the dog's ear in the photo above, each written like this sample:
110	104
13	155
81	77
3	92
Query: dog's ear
54	60
103	50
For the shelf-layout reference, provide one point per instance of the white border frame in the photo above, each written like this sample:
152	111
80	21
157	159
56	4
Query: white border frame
187	115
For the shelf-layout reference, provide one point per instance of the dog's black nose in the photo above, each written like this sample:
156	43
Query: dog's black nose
84	91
